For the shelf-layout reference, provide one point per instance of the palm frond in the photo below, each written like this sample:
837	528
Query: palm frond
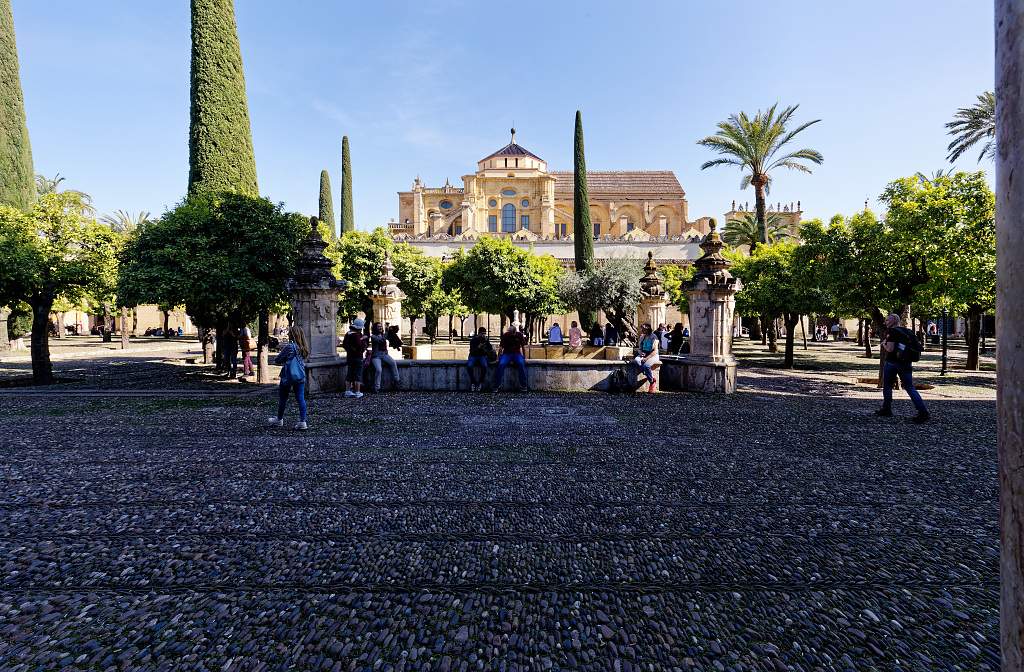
972	125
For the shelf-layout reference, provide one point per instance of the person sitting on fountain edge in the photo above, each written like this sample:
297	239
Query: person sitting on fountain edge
510	350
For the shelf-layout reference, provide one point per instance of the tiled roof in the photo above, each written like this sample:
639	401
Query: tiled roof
512	149
612	182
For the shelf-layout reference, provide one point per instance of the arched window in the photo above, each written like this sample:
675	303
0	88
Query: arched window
508	218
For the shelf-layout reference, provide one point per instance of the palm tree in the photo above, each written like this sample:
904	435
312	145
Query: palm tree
48	185
973	124
758	146
123	221
936	174
745	231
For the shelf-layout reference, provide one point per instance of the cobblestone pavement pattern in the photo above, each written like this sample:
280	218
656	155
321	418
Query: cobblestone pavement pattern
479	532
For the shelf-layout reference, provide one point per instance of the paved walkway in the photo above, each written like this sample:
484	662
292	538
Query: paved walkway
760	531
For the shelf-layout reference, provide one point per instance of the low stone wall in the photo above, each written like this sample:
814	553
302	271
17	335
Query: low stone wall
443	351
682	373
451	375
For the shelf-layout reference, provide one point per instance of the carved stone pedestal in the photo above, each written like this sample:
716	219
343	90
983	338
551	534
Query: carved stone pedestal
711	366
387	300
314	299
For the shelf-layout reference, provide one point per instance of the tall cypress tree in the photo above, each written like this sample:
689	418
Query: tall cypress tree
582	227
326	202
220	154
348	222
17	178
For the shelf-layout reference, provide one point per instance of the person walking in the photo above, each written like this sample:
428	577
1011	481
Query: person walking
575	335
229	342
354	345
379	356
662	334
246	342
510	351
675	339
480	352
292	360
555	335
902	350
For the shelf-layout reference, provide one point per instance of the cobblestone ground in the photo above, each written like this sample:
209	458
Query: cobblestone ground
770	530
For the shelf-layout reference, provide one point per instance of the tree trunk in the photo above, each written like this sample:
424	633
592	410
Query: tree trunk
803	331
860	331
1009	57
60	325
262	345
135	321
973	338
42	368
866	329
108	323
124	328
207	341
755	329
759	210
790	321
451	325
772	334
167	323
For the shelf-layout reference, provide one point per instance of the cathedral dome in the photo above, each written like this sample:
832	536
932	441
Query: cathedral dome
511	157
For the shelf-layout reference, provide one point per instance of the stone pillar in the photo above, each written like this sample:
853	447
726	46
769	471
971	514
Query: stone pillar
314	300
387	300
1009	23
710	366
5	337
653	297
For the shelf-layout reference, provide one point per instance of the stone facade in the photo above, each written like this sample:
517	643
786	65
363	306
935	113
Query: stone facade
513	194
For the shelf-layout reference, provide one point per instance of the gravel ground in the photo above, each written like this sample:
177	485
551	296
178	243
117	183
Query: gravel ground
781	528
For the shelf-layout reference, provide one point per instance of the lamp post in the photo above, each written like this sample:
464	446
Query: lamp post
945	331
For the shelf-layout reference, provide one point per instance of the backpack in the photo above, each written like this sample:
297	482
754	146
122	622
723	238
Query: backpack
912	350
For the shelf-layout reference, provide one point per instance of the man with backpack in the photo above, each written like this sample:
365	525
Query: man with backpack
901	349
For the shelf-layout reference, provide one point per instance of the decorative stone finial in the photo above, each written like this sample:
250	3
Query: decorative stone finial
388	284
650	283
313	268
712	266
513	135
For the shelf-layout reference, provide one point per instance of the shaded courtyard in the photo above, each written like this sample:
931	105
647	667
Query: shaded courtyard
780	528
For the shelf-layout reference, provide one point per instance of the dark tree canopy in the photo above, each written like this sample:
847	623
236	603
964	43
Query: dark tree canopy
193	256
17	177
220	148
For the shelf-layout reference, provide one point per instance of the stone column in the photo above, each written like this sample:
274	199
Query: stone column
5	337
710	366
1009	22
387	300
314	300
653	301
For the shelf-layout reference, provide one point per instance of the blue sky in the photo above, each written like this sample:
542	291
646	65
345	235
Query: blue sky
427	88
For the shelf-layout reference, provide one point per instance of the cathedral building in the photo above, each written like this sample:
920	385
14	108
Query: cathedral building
513	194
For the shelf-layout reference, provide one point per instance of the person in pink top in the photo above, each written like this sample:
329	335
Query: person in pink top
575	335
